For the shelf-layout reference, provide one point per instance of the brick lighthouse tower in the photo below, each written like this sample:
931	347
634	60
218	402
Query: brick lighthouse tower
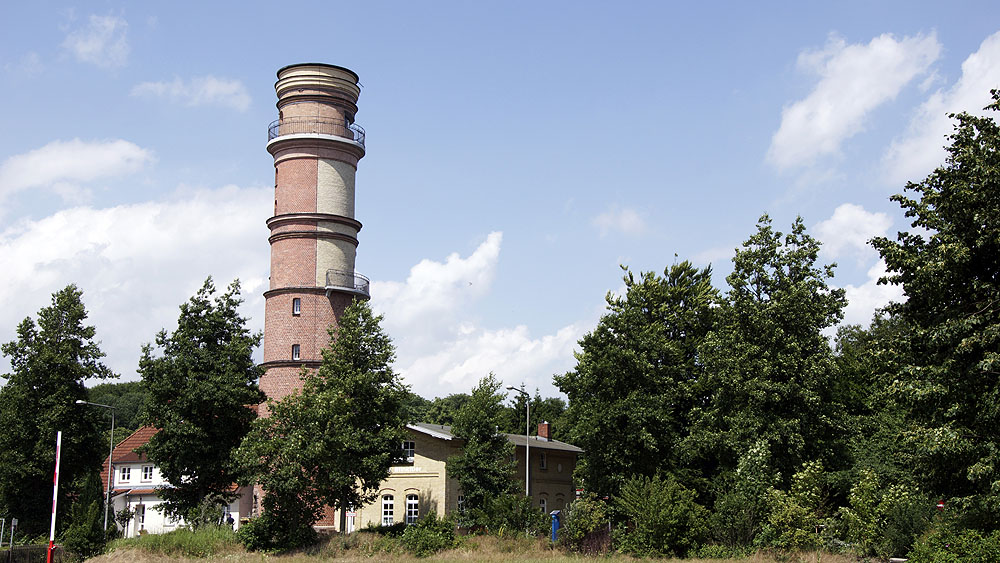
314	235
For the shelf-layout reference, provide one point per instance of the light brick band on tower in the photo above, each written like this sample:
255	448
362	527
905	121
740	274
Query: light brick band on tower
314	236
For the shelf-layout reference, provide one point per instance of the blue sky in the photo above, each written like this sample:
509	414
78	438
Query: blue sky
518	152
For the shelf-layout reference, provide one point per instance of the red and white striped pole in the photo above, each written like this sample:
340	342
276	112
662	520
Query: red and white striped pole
55	491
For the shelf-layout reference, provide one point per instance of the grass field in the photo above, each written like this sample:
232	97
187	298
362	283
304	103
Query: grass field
366	548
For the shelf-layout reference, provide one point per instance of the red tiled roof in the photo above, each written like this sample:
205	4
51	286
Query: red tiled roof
125	451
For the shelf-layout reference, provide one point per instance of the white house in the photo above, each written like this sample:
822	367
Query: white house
135	484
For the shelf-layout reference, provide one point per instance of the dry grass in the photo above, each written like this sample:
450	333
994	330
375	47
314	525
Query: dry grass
367	548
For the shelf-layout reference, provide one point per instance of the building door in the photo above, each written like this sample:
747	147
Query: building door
140	518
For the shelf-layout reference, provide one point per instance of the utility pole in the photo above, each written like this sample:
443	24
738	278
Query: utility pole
527	437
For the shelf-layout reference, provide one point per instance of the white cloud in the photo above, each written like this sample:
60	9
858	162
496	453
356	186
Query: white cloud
101	42
441	348
199	91
61	163
137	263
624	220
853	81
439	288
863	300
849	229
918	151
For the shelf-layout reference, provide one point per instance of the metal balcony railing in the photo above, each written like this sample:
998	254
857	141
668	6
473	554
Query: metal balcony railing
339	279
321	125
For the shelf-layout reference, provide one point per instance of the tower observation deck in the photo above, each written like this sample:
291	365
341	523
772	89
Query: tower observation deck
316	147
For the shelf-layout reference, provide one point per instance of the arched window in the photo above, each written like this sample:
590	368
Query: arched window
412	509
387	510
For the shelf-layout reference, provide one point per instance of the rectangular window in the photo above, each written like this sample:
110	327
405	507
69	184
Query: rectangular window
408	449
386	510
126	474
295	351
461	503
542	462
412	509
542	503
147	472
296	306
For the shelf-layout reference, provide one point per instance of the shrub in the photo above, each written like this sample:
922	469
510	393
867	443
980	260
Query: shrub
512	513
743	502
273	532
392	530
884	521
947	544
796	517
429	535
581	519
85	535
661	517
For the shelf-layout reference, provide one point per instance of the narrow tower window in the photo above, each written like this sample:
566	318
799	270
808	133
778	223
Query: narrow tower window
296	306
295	351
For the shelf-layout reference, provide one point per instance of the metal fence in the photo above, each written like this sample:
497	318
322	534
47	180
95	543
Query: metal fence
32	554
320	125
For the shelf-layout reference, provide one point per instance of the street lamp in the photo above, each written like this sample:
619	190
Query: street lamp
111	451
527	433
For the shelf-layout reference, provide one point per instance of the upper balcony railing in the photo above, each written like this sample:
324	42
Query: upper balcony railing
339	279
321	125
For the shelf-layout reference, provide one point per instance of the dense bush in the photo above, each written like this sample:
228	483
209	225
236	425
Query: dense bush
743	499
514	513
429	535
947	543
85	535
581	519
660	517
884	521
797	517
272	532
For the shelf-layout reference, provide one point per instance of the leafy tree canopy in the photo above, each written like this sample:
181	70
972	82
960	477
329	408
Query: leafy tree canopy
637	377
949	269
50	361
334	442
768	366
484	468
202	385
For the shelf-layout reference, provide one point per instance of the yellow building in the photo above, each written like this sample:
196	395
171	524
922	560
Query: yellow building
421	484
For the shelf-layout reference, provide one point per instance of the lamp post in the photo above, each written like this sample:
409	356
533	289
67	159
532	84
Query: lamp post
527	435
111	451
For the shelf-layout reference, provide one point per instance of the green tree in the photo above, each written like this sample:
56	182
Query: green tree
202	383
638	377
768	365
334	442
949	269
484	468
50	362
442	410
660	516
127	397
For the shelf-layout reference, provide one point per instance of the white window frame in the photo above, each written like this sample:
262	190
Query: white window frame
296	306
543	503
124	474
387	510
409	449
412	508
147	472
296	351
461	503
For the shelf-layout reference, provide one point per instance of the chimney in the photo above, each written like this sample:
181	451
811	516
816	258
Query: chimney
544	431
